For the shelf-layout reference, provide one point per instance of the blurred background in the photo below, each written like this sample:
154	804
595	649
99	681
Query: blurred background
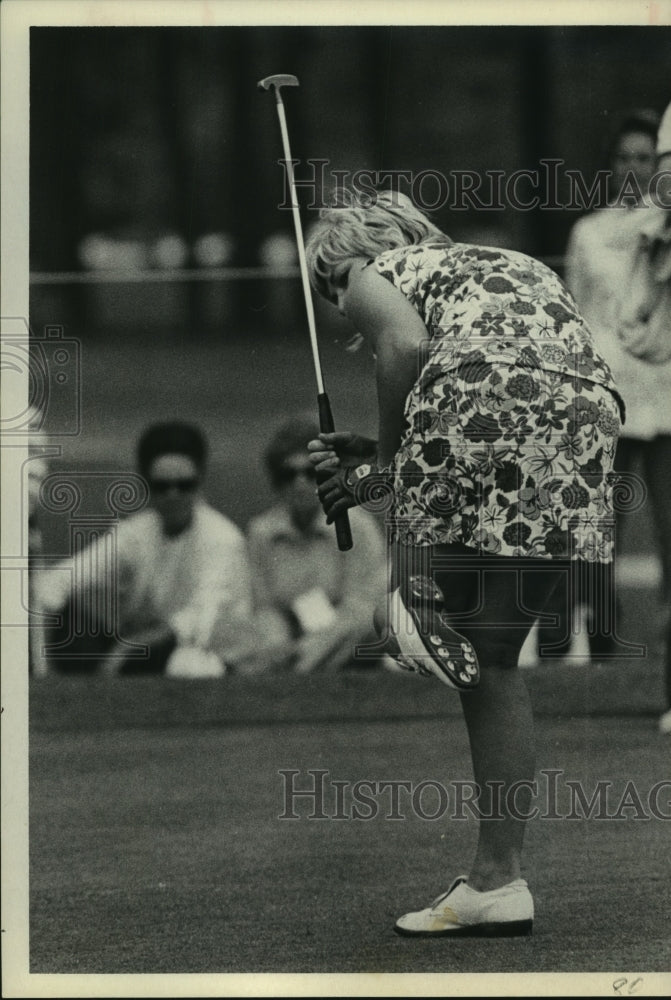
157	244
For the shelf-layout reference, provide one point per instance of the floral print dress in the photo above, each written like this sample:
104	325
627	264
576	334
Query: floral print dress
513	420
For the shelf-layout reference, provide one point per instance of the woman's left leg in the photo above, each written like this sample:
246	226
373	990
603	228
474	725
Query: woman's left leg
485	602
498	713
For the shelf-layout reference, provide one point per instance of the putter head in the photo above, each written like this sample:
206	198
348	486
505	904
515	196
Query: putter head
277	81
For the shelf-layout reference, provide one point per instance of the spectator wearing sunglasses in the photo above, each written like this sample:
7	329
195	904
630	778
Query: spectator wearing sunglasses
183	580
313	603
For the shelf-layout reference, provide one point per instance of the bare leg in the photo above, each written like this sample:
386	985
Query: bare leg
498	714
500	728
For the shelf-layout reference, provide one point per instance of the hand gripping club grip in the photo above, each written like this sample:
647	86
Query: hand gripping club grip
326	425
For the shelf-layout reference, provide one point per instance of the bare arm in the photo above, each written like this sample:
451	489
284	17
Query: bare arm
78	576
396	333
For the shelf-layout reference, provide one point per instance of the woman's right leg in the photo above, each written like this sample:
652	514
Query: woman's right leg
498	713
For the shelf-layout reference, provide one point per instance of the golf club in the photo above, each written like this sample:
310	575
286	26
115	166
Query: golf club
342	526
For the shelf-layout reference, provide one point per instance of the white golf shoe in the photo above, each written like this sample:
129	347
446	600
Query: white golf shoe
463	912
424	641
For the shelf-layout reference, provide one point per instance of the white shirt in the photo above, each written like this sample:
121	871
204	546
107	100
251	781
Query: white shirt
598	256
289	565
197	582
664	133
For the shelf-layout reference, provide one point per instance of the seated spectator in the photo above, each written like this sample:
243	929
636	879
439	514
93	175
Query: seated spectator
313	603
183	585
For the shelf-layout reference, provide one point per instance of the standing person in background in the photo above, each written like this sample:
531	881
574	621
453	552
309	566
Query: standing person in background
598	259
313	603
183	581
645	333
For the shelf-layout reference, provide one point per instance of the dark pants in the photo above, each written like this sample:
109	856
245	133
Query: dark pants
72	650
491	600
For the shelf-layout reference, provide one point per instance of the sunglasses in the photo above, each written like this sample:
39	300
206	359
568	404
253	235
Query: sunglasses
288	473
165	485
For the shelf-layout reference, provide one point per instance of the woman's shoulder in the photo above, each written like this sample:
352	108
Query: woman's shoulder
469	258
414	256
448	252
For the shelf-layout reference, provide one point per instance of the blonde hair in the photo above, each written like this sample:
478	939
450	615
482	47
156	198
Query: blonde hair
361	225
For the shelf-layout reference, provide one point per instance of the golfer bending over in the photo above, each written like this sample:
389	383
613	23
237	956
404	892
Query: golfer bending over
497	428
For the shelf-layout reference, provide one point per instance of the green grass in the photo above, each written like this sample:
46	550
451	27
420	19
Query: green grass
156	844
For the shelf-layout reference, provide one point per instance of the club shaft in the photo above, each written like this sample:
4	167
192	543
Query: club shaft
312	327
341	523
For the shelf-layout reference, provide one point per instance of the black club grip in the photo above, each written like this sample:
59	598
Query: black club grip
342	527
